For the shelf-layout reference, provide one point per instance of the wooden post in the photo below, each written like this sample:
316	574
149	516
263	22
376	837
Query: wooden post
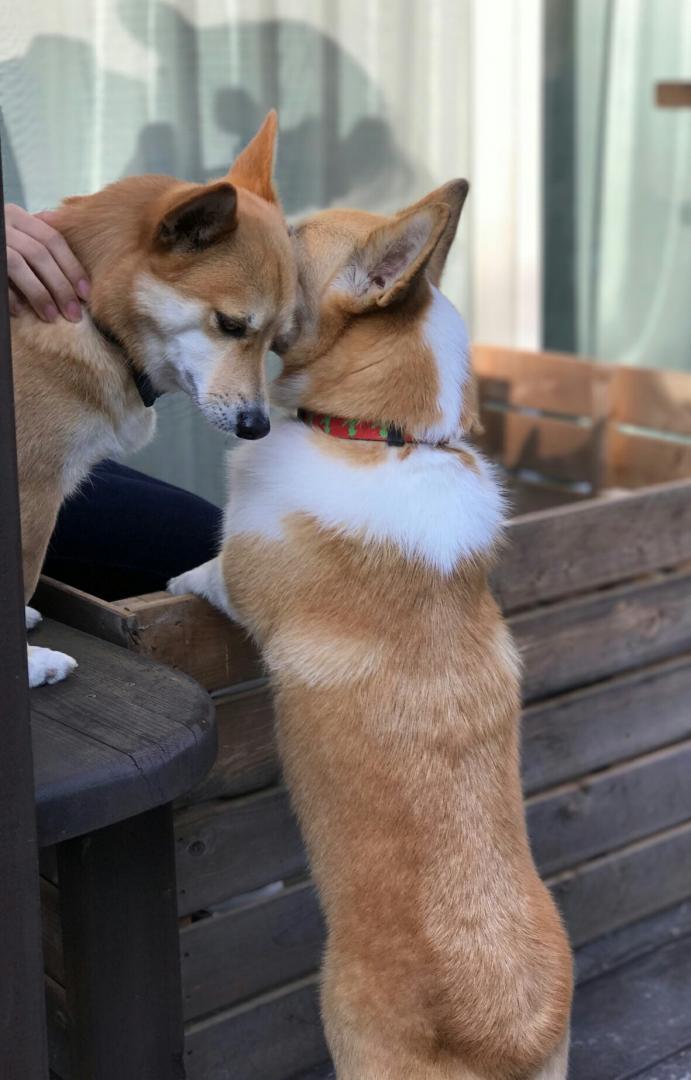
120	939
23	1053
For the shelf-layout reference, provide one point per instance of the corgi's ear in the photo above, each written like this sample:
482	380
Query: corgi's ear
199	218
391	258
253	169
452	195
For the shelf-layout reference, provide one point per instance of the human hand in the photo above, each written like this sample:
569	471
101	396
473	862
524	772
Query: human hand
41	267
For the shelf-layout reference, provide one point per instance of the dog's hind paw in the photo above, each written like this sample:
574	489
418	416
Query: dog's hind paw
32	617
48	666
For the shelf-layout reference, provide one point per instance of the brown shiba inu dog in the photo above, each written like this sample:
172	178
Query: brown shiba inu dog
358	540
190	285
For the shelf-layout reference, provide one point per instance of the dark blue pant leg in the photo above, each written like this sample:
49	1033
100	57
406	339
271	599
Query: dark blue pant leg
125	533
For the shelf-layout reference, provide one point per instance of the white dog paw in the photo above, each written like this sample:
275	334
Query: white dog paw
32	617
205	581
183	583
48	666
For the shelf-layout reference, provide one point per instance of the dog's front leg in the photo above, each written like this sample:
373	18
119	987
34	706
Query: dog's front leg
206	581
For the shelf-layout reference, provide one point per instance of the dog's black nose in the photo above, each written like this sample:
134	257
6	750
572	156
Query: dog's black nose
252	424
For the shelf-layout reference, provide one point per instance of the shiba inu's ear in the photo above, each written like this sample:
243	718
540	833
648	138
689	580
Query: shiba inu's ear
199	219
392	256
452	195
253	169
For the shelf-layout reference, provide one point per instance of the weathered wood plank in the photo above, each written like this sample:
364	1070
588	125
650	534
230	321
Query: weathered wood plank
270	1038
633	1017
559	449
625	885
575	733
563	737
573	549
229	848
602	812
187	633
652	398
553	382
78	609
584	640
226	848
232	957
632	942
640	460
247	759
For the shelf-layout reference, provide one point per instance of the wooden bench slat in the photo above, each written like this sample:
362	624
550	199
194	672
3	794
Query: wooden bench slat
615	889
584	640
621	946
247	759
563	737
272	1037
575	549
234	956
232	847
604	811
583	730
228	847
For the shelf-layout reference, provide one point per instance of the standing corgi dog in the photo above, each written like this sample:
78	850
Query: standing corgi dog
358	539
190	285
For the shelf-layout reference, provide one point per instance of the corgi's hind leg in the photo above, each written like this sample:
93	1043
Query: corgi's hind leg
556	1067
48	665
206	581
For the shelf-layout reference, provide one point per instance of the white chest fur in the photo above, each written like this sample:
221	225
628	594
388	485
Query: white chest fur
429	504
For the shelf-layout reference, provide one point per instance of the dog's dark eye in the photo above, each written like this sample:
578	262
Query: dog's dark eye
232	327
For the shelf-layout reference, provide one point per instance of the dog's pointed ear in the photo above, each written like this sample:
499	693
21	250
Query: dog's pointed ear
199	218
452	195
391	258
253	169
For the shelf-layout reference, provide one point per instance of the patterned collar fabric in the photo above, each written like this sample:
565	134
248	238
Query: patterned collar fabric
363	430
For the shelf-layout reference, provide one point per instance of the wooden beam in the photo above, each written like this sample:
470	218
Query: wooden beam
23	1054
673	95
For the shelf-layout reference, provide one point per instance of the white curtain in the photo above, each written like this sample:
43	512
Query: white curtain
372	97
634	183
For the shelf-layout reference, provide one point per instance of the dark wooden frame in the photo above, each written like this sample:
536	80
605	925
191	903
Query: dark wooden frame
23	1052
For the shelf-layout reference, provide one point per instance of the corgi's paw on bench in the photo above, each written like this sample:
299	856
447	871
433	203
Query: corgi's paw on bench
205	581
48	665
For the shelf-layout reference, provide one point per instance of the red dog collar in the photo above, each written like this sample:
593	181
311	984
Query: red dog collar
354	429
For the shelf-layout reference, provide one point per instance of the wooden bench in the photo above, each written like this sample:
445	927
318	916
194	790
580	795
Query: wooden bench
113	746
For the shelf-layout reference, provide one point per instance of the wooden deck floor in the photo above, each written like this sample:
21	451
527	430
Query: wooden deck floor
632	1011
